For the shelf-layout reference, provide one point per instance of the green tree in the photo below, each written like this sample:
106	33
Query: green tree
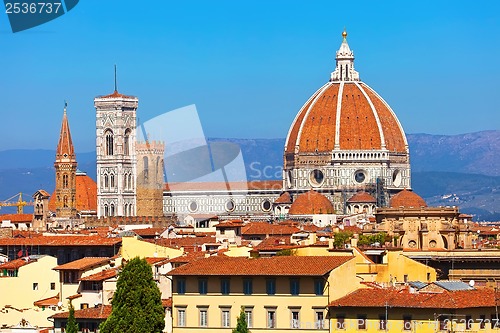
241	326
136	303
71	326
341	238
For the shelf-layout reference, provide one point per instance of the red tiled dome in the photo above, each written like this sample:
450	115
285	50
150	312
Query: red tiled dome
347	115
362	197
407	199
310	203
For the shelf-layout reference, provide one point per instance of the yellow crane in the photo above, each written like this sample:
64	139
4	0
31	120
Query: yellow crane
20	203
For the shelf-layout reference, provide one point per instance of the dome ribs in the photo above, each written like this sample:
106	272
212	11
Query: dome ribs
318	129
358	127
393	133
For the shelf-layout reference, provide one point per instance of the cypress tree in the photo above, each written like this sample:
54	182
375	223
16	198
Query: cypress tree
241	325
71	326
136	303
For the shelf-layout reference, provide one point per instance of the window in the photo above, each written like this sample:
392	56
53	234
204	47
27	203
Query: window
181	286
106	181
382	322
407	323
126	142
52	286
340	325
181	317
109	142
225	286
35	285
247	286
249	317
226	318
294	286
70	277
271	286
84	306
112	180
319	286
271	318
361	322
65	181
295	321
319	320
145	161
202	286
203	317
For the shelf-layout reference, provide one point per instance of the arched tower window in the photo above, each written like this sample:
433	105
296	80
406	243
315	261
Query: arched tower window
158	174
130	184
106	181
146	167
126	142
112	210
125	209
112	180
65	201
65	181
108	134
106	210
125	183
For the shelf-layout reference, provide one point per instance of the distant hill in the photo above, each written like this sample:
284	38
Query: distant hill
461	170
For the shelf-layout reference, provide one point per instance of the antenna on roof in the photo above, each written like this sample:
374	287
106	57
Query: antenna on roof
116	88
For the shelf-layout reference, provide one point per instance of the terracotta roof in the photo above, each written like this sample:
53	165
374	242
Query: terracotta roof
229	224
16	263
274	266
315	126
222	186
75	240
116	94
362	197
149	231
183	241
101	276
100	312
83	264
460	299
407	199
43	193
51	301
284	198
72	297
156	261
264	228
86	194
310	203
275	243
188	257
17	218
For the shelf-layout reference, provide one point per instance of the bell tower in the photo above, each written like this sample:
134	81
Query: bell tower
65	165
116	157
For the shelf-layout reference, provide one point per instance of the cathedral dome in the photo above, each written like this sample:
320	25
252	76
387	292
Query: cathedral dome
86	194
407	199
345	114
311	203
362	197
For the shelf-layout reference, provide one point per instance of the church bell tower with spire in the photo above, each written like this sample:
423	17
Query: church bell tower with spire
65	165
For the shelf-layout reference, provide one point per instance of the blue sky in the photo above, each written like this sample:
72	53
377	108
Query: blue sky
249	65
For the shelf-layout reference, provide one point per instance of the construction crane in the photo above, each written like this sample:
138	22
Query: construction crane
20	203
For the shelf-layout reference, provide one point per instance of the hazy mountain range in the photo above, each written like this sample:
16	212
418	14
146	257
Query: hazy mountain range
461	170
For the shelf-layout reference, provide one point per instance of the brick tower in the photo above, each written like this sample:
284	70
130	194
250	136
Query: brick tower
150	178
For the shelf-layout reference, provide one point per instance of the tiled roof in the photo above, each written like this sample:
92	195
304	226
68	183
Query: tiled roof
229	224
274	266
222	186
86	194
16	263
394	298
156	261
184	241
407	199
75	240
284	198
310	203
100	312
149	231
188	257
101	276
315	126
65	145
264	228
362	197
275	243
116	94
51	301
17	218
83	264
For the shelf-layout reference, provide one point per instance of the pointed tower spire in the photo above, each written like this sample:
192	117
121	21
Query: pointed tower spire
65	149
344	70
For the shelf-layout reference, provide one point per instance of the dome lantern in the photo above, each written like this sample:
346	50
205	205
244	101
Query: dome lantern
344	70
